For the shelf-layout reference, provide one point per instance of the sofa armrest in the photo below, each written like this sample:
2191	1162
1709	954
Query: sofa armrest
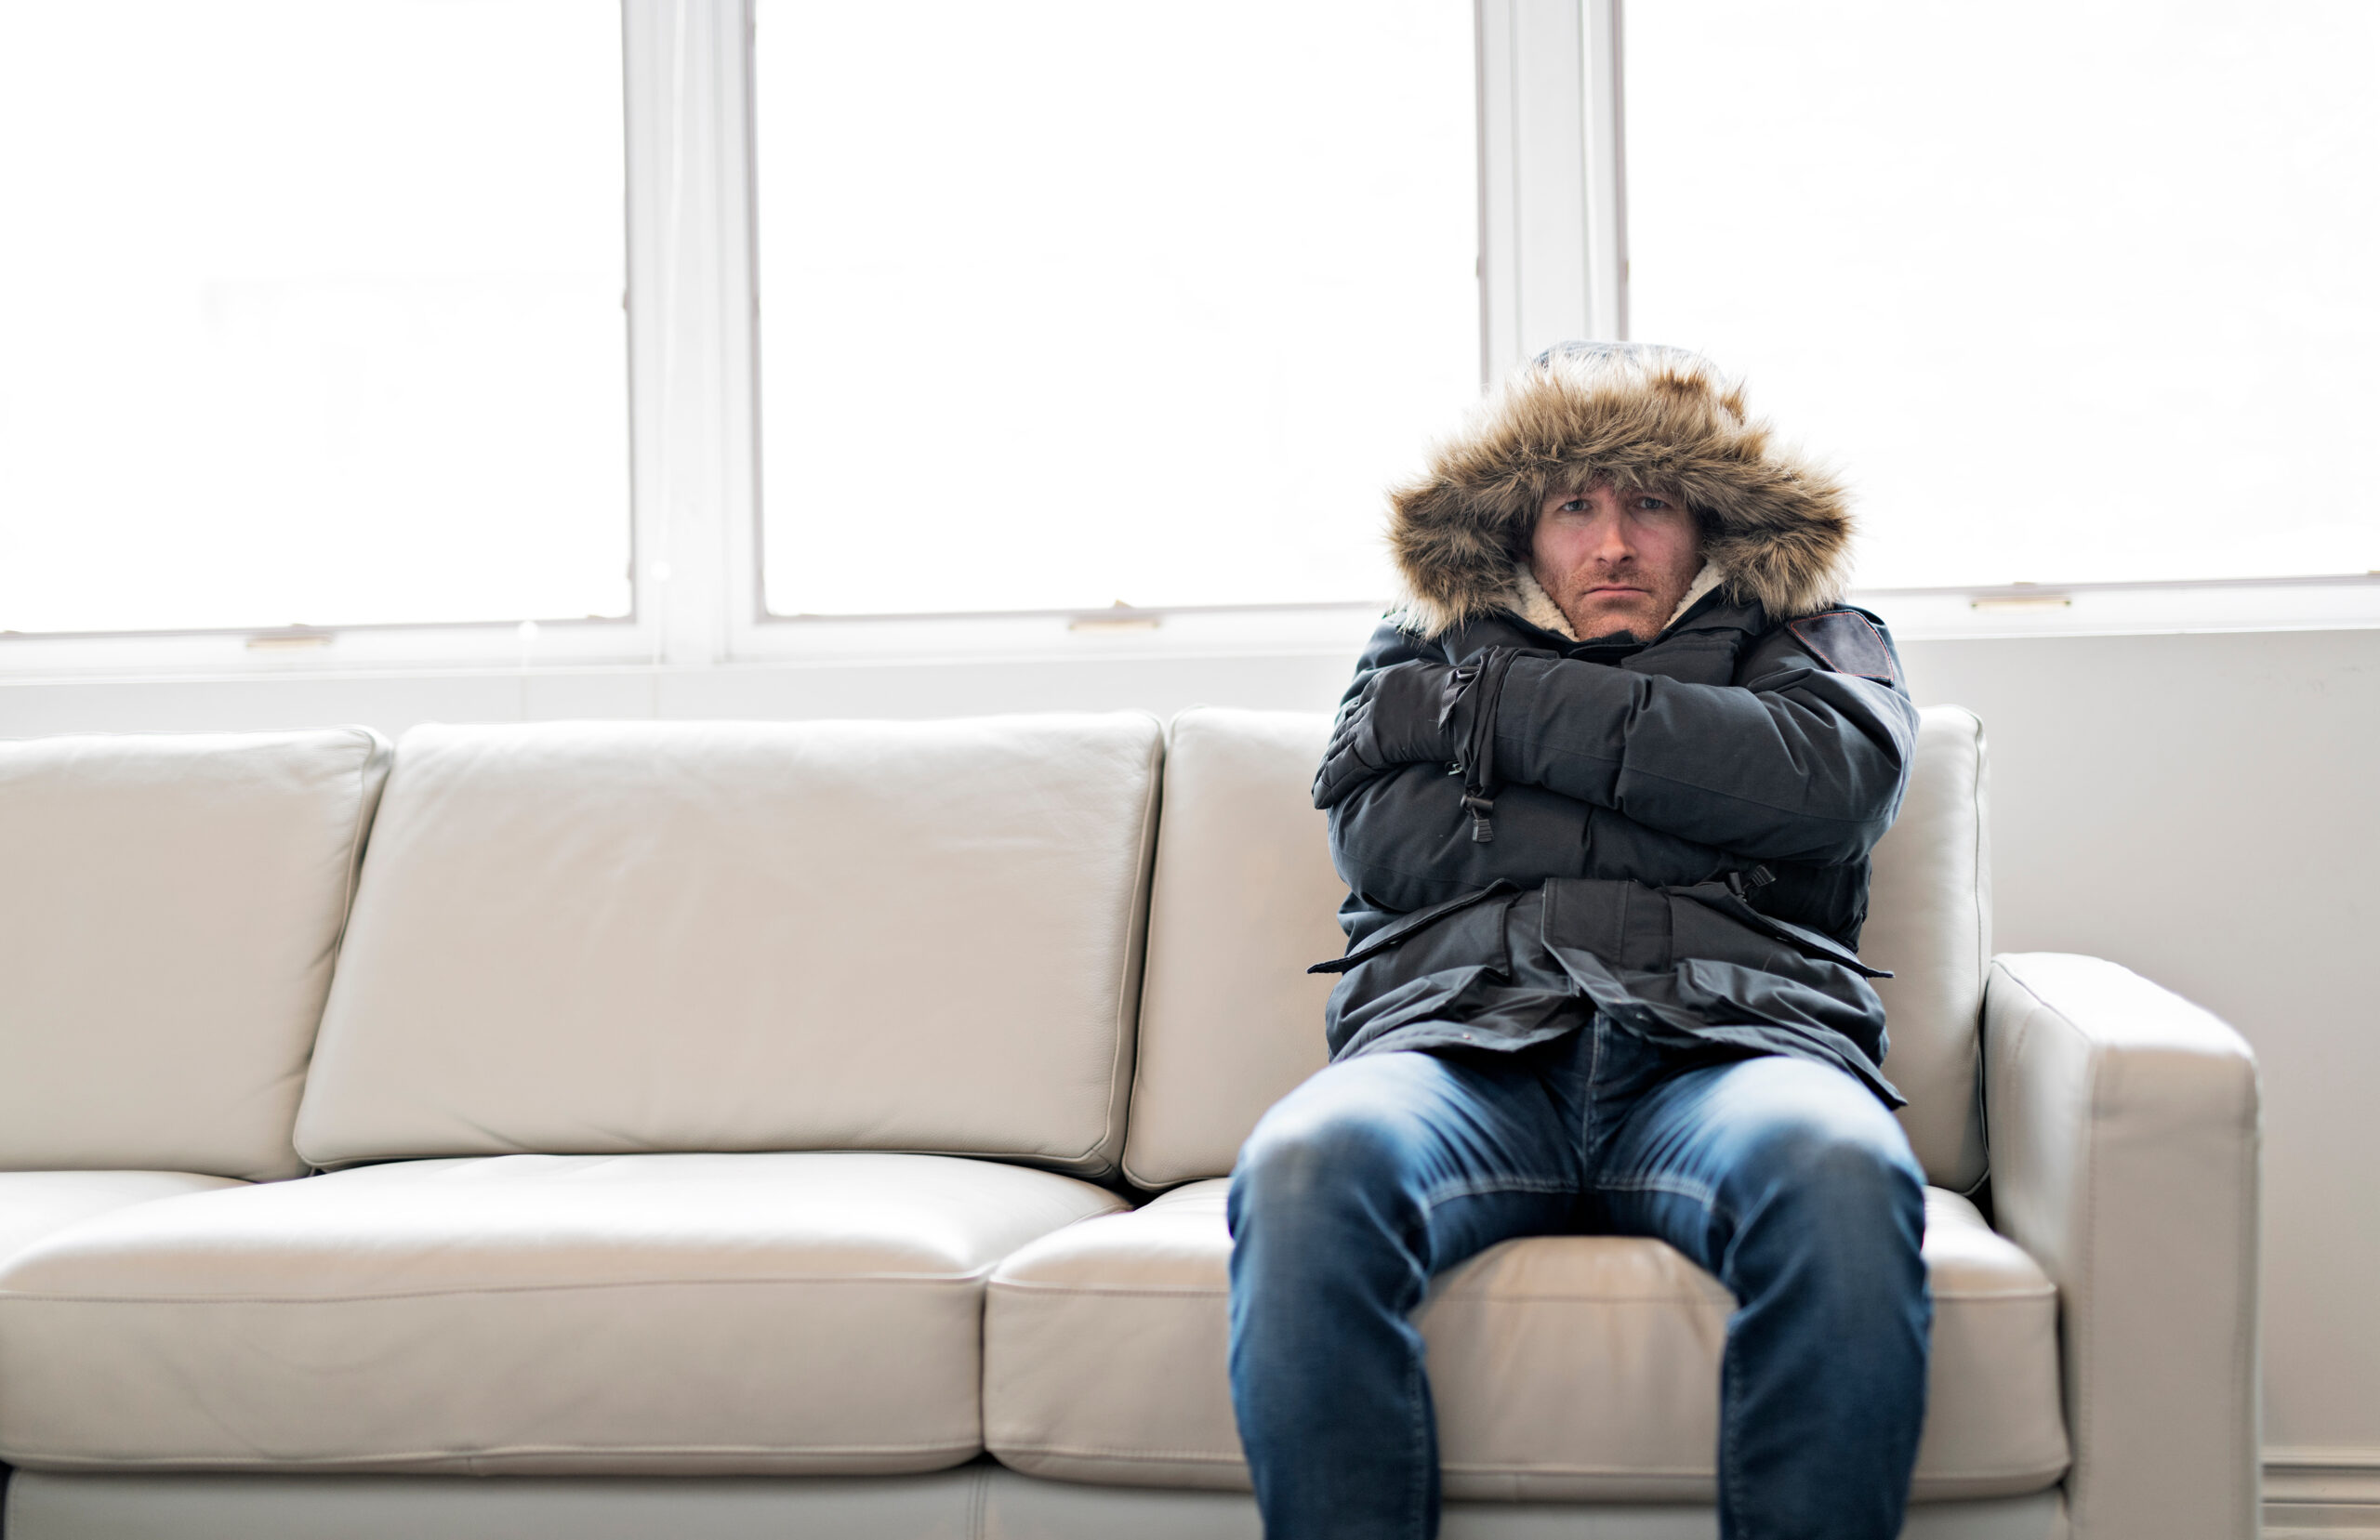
2122	1122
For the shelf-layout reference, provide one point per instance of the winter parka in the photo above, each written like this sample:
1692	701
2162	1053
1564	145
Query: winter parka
1674	834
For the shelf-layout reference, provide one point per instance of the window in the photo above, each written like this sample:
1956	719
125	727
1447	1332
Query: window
2078	293
1076	303
991	316
311	314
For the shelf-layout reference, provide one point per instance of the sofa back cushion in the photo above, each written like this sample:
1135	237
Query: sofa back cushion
169	909
1929	920
1245	897
594	938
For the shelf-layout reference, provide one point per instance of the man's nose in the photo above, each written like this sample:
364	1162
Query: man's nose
1611	543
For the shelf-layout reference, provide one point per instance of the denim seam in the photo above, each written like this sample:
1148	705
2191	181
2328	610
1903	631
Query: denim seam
1490	1468
1586	1092
1486	1186
1934	1481
1669	1301
1679	1187
1418	1496
1732	1509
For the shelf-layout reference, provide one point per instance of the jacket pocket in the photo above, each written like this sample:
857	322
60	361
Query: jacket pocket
1629	925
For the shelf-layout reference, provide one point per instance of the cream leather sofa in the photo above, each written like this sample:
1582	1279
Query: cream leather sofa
764	1129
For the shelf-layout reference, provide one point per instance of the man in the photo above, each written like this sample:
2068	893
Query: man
1602	794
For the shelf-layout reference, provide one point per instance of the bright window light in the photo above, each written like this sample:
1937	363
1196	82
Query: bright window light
1077	302
310	313
2074	292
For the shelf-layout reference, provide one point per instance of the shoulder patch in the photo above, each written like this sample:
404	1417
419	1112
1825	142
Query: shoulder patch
1846	642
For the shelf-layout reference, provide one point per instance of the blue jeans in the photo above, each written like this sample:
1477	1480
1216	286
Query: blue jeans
1785	1178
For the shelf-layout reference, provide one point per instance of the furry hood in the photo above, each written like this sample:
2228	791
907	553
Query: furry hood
1775	527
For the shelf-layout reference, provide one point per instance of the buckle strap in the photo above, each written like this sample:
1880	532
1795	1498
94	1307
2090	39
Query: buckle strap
1744	884
1480	683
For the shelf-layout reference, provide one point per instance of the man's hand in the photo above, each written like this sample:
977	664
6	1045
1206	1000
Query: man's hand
1404	715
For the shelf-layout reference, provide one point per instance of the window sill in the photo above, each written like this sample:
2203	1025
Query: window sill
2128	609
1057	636
303	650
1102	637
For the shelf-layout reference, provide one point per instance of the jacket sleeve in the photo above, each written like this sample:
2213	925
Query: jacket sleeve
1401	840
1796	763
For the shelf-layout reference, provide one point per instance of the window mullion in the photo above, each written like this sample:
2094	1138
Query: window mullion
1537	180
1605	118
686	266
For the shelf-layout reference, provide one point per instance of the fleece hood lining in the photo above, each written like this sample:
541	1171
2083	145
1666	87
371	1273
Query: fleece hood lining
1533	604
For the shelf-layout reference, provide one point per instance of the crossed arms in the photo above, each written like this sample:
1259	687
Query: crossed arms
1604	770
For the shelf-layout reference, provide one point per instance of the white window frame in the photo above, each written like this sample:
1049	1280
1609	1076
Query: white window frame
1553	265
425	646
1549	269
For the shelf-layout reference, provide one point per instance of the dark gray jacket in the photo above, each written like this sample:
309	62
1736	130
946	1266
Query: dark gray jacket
1680	841
1680	830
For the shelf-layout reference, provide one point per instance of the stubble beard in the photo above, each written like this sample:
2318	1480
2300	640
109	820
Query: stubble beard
1594	617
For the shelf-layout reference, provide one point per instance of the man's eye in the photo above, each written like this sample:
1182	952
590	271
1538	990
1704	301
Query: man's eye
1649	505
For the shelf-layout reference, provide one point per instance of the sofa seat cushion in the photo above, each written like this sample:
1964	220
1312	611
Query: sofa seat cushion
36	1204
1564	1368
655	1314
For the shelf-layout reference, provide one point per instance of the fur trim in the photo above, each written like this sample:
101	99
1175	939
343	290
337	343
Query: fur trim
1776	526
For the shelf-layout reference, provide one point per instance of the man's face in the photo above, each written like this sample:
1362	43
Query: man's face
1615	562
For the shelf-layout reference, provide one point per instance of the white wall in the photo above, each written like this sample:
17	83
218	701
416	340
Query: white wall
2199	807
2204	810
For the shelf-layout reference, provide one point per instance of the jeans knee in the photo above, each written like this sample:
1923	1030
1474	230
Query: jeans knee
1298	1169
1858	1196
